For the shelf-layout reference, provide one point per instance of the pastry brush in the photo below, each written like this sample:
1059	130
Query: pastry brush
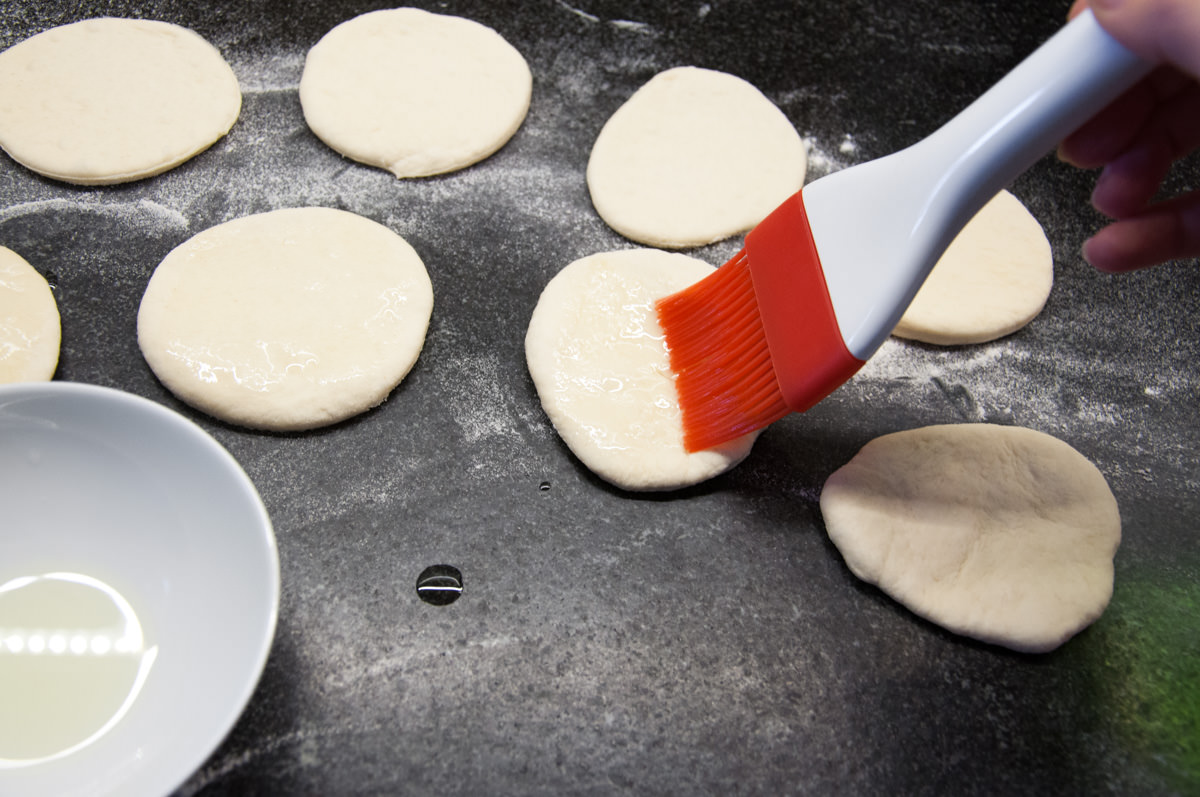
821	282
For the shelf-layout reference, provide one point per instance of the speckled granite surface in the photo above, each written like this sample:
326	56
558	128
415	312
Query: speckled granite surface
705	642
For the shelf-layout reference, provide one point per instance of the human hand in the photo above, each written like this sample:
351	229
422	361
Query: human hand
1138	138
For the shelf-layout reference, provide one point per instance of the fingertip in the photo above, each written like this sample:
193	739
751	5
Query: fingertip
1159	31
1096	256
1126	185
1118	248
1077	8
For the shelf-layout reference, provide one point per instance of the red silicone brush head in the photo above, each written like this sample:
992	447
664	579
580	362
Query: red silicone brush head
758	338
718	349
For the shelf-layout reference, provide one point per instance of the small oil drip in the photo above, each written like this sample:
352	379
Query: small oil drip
439	585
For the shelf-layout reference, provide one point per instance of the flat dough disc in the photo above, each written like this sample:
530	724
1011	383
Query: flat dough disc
413	92
992	280
693	157
286	320
999	533
600	365
111	100
30	330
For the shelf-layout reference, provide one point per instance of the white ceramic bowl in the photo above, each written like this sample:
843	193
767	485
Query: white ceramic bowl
125	492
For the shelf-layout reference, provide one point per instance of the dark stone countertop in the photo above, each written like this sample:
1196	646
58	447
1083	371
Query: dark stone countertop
705	642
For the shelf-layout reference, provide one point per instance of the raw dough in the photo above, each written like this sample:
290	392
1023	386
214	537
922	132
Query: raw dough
999	533
30	331
992	280
286	320
694	156
600	366
110	100
413	92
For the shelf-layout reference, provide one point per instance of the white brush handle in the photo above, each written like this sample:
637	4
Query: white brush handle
880	227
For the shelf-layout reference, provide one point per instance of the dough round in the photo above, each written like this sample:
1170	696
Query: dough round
30	330
694	156
286	320
999	533
111	100
992	280
413	92
600	365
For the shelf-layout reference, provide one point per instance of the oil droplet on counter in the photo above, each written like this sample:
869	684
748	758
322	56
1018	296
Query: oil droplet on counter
72	660
440	585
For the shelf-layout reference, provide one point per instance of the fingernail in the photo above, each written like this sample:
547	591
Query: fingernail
1083	250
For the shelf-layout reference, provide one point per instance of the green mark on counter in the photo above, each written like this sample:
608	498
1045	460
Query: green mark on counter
1151	673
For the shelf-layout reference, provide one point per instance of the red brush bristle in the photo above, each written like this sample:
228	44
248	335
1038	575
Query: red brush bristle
724	376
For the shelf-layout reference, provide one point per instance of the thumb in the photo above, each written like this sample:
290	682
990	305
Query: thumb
1159	31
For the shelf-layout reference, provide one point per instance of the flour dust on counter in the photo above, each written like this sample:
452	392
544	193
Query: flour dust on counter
601	368
999	533
286	320
414	92
110	100
145	216
30	328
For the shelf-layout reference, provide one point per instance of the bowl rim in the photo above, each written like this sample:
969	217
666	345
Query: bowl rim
176	768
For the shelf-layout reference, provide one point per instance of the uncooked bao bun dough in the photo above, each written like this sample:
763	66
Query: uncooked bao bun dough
999	533
693	157
286	320
992	280
413	92
600	365
30	330
110	100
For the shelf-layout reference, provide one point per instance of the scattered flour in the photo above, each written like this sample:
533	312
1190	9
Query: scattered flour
823	160
479	406
619	24
274	72
578	12
630	25
1009	382
145	215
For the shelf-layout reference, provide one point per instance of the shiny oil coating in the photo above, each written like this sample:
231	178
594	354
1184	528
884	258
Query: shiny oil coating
30	331
286	320
598	359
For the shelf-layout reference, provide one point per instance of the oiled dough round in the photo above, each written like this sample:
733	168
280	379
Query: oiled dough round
110	100
692	157
414	92
999	533
992	280
286	320
30	329
598	360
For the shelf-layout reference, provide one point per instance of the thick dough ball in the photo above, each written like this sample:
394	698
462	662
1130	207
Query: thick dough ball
111	100
999	533
693	157
600	365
